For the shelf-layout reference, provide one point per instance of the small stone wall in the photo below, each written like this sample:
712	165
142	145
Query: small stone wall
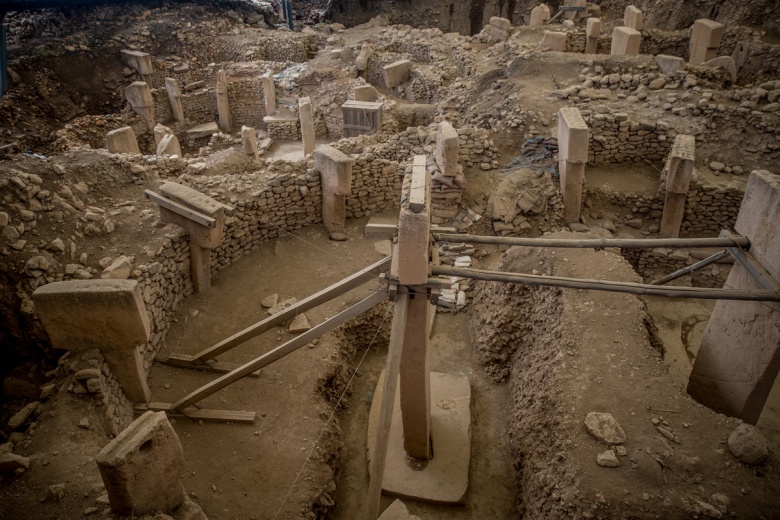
285	130
614	138
247	102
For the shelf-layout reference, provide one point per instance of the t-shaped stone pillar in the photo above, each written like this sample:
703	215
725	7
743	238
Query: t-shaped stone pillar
679	169
269	93
141	468
592	34
739	358
705	41
140	98
307	125
539	15
336	178
223	103
411	264
572	156
105	314
202	217
174	97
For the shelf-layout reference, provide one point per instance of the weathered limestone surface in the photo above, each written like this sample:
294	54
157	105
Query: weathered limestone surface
679	170
739	358
446	153
634	18
726	63
105	314
539	15
554	41
142	466
669	64
223	103
592	34
269	93
361	63
625	40
249	141
397	72
139	95
365	93
413	232
573	137
174	97
140	61
307	125
498	28
122	140
705	40
335	170
169	145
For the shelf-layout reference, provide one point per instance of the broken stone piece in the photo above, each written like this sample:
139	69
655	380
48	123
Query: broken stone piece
10	462
299	324
605	428
607	459
270	301
748	445
20	418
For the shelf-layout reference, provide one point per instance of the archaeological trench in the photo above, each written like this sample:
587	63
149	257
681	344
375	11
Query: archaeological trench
389	259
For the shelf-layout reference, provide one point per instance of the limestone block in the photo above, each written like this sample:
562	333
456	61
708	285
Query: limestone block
669	65
336	178
705	41
335	170
137	60
737	364
500	23
85	314
194	199
122	140
412	249
554	41
726	63
138	94
397	73
160	131
141	468
105	314
223	103
634	18
366	51
269	93
249	141
365	93
572	176
680	165
572	136
625	40
174	97
539	15
169	145
398	511
593	28
592	34
203	130
446	153
307	125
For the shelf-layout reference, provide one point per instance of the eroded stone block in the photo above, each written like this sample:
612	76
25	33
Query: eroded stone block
554	41
539	15
625	40
142	466
122	140
397	72
137	60
447	146
634	18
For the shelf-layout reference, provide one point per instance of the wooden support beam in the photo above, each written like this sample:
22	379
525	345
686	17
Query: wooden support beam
210	365
400	311
197	414
325	295
605	285
691	268
751	265
599	243
279	352
182	210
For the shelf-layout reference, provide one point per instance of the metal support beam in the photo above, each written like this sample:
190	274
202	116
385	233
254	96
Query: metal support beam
599	243
691	268
605	285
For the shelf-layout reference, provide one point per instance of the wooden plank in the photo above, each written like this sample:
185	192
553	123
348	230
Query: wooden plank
751	265
198	414
184	211
417	190
392	370
598	243
605	285
280	351
325	295
211	365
